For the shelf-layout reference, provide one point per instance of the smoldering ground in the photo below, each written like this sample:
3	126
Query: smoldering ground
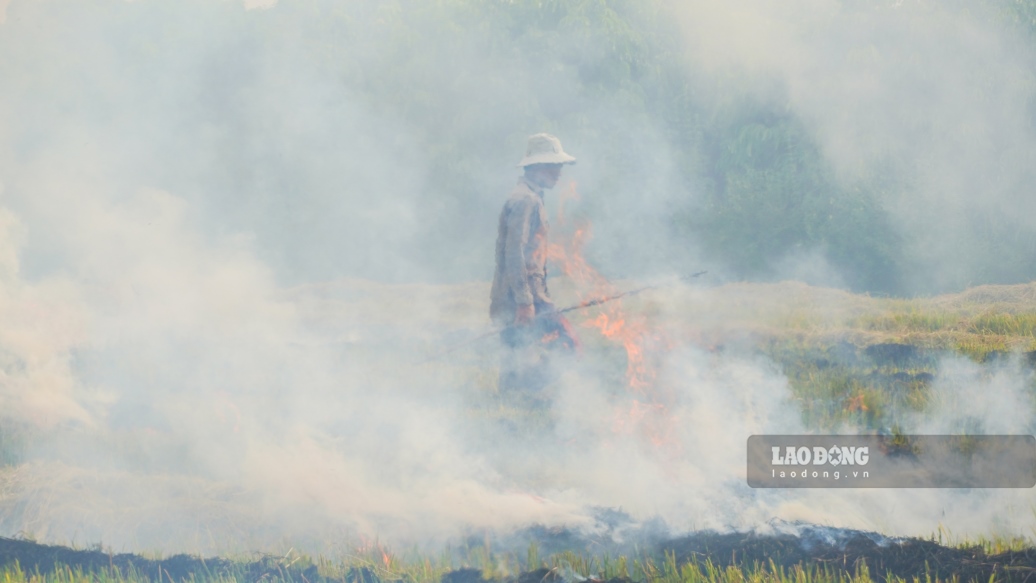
231	238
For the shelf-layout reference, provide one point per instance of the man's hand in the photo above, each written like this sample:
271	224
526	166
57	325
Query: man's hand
524	315
568	335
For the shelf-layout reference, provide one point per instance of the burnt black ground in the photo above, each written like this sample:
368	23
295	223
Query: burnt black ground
813	548
845	551
33	557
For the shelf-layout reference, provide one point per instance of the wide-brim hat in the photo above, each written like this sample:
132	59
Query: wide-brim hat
545	149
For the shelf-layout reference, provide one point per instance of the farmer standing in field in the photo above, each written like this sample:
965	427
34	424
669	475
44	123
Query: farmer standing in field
519	299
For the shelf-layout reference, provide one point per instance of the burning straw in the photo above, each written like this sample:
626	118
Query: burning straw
648	413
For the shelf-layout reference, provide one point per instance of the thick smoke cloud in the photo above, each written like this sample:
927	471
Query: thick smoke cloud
222	265
935	100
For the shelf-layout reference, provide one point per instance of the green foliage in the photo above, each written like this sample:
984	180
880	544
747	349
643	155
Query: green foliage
773	194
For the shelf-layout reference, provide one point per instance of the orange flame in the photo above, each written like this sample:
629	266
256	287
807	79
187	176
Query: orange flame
369	547
857	403
648	415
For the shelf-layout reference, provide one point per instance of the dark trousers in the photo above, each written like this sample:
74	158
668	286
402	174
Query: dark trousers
525	362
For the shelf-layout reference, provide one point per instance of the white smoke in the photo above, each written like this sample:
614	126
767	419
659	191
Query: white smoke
939	94
191	360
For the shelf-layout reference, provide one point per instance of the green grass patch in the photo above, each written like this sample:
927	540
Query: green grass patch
564	567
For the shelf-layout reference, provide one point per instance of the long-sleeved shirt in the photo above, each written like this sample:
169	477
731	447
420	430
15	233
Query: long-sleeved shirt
521	253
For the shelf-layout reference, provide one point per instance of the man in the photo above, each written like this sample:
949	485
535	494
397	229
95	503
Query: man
520	299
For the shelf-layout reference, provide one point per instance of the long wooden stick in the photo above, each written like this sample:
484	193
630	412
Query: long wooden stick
579	306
